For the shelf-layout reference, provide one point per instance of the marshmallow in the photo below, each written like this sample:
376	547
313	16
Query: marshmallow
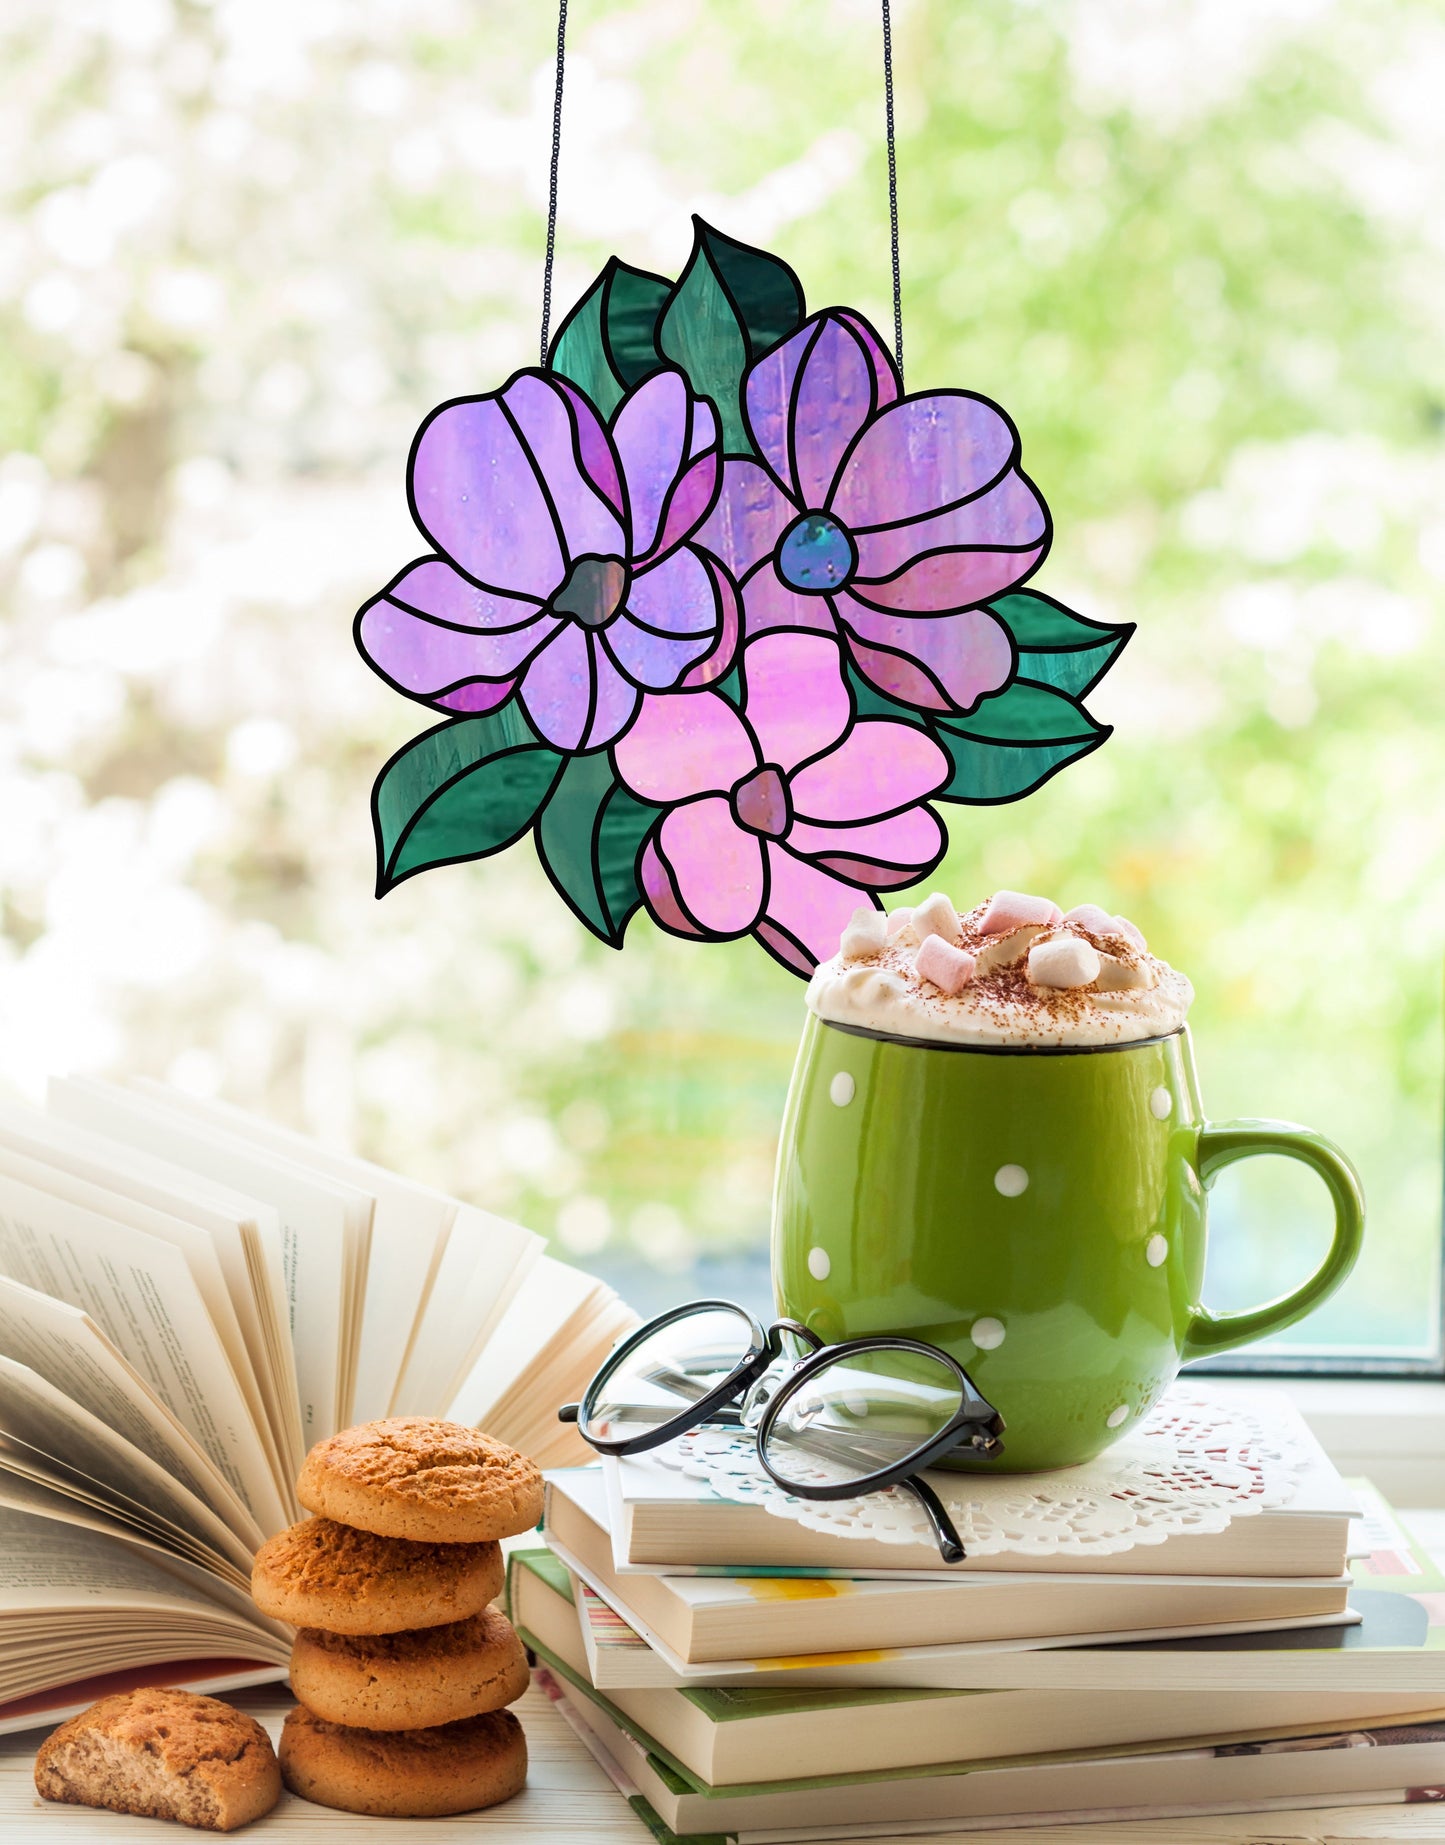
865	936
898	920
936	916
1004	950
1098	921
1012	909
949	968
1063	961
1093	917
1116	976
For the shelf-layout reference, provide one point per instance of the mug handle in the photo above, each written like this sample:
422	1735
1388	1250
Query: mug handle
1221	1144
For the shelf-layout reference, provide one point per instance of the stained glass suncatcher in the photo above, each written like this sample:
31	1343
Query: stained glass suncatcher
721	616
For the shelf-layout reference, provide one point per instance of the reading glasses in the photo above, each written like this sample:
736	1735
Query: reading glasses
832	1421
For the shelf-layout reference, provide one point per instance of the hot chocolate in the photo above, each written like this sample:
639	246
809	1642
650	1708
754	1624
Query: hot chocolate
1016	970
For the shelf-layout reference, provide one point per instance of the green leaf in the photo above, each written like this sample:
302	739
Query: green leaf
461	791
1026	712
1014	742
579	350
608	342
588	836
1057	646
766	295
730	304
1010	745
700	331
635	300
873	703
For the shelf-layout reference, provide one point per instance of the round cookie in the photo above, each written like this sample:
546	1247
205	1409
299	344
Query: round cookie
421	1478
321	1574
404	1774
410	1681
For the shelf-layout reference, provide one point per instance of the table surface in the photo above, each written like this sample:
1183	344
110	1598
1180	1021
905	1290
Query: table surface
568	1797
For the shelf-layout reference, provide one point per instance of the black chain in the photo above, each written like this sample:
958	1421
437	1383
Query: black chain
552	183
893	185
892	180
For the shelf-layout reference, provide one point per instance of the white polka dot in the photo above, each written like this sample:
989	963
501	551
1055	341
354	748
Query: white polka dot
1155	1250
1161	1104
819	1265
1116	1416
842	1089
1011	1180
987	1335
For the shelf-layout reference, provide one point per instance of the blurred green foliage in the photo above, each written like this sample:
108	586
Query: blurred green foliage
1193	250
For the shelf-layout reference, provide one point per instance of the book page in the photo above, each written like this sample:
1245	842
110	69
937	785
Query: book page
245	1234
24	1467
65	1346
38	1501
62	1586
547	1298
485	1262
409	1224
33	1411
45	1565
201	1259
558	1329
27	1491
313	1215
140	1292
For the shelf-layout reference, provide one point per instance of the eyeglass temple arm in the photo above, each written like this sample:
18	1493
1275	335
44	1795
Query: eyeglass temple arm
950	1544
569	1412
804	1334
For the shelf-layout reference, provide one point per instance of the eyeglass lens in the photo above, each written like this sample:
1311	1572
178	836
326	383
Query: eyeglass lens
860	1415
674	1367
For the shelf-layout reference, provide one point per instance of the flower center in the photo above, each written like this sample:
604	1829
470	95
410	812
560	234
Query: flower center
592	591
816	555
760	803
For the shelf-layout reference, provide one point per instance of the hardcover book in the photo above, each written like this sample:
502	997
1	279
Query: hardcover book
666	1516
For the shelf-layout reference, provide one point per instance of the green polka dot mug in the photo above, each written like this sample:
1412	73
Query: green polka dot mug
1038	1213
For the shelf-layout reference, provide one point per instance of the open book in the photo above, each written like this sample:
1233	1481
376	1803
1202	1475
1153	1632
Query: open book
189	1298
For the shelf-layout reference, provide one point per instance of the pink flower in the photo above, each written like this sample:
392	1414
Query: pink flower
887	518
778	812
564	573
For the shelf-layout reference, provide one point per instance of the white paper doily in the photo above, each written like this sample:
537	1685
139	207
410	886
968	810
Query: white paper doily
1194	1465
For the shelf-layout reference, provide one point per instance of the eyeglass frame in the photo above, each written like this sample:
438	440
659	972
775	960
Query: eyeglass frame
975	1413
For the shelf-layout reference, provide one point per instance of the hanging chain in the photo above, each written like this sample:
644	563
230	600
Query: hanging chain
893	185
892	180
552	182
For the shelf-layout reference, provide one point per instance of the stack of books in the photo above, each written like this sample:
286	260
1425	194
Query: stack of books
743	1677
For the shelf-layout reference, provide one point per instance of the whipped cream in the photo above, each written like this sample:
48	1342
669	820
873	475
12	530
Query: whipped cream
1013	971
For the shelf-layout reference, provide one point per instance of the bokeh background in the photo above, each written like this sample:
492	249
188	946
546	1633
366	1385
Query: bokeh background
1197	249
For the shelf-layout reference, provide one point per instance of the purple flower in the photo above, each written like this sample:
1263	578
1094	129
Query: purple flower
564	572
887	518
780	810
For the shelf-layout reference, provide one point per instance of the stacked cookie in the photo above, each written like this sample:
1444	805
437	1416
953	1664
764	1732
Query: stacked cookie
402	1667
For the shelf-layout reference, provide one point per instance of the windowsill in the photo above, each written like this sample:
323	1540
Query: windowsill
1390	1429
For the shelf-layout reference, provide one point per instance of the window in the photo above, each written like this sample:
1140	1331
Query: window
1188	253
